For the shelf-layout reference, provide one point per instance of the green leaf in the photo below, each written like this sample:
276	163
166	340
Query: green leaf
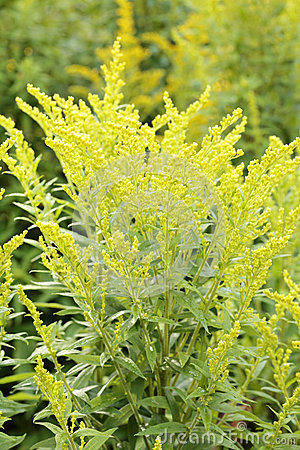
54	428
189	303
25	207
87	359
119	417
23	396
174	407
183	358
259	368
242	415
49	305
93	432
166	427
206	416
180	392
264	395
60	439
227	443
105	400
157	319
197	393
201	366
96	443
69	311
46	412
130	365
16	377
45	444
80	343
156	402
151	355
10	408
7	442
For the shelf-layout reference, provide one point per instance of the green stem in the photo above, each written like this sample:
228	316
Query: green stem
70	437
124	384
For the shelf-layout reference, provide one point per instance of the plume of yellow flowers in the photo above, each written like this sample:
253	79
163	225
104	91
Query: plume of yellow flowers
6	277
157	445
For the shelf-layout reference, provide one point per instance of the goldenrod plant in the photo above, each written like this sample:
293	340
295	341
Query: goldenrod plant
169	332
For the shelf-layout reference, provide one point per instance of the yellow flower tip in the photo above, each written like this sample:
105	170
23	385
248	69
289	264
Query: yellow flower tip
20	289
30	87
39	360
157	445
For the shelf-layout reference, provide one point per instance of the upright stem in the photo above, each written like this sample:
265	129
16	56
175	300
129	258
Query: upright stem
124	384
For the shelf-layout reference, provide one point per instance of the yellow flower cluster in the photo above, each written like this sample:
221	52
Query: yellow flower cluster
24	167
43	330
287	410
63	258
218	361
124	174
117	333
277	355
272	331
217	151
157	445
6	277
54	392
289	302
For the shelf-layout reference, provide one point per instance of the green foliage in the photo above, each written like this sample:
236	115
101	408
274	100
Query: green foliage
39	39
158	253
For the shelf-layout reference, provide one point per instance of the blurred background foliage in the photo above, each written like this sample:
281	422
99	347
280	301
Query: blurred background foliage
247	50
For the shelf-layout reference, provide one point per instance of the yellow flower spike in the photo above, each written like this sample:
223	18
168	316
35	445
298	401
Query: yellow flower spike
6	145
157	445
15	242
114	83
24	167
117	333
199	104
216	152
69	268
41	329
287	408
34	112
53	391
35	314
82	442
217	357
63	241
5	272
